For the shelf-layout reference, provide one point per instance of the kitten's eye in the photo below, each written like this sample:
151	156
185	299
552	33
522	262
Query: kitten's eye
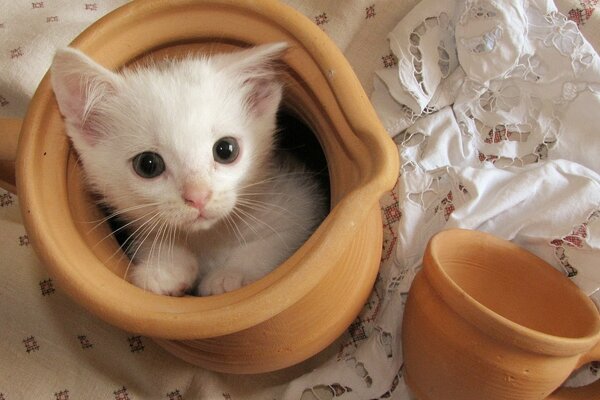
226	150
148	164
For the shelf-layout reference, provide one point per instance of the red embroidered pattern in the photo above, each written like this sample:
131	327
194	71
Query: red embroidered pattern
394	384
321	19
594	368
370	11
576	240
175	395
361	328
135	344
389	60
63	395
85	342
581	15
333	390
47	287
121	394
447	205
16	53
6	200
499	134
24	240
31	344
391	214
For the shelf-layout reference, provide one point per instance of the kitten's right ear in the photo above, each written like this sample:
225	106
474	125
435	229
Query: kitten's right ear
79	83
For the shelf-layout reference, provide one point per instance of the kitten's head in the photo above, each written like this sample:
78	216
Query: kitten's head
175	142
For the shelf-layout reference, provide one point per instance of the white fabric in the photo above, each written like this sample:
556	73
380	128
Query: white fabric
493	110
512	148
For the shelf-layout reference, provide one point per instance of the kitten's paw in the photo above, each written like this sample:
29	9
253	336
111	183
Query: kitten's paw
221	281
164	280
174	277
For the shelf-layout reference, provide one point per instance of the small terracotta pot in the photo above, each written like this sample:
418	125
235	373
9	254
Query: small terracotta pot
310	299
486	319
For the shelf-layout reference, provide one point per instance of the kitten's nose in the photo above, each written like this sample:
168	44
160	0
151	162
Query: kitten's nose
196	197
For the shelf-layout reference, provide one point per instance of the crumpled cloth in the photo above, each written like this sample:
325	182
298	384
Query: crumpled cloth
494	108
491	104
504	99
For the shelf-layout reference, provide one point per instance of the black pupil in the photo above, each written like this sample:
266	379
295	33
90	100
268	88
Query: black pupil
148	164
224	150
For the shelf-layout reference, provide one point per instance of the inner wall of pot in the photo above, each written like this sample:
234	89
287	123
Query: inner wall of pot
306	131
514	285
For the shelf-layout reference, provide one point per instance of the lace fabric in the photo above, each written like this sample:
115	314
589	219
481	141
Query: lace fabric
497	132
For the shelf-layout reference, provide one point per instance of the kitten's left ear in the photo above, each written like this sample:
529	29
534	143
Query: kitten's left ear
259	68
79	83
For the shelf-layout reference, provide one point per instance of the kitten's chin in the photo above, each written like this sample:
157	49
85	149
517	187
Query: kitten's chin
201	224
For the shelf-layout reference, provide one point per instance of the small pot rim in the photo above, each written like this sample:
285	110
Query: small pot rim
487	320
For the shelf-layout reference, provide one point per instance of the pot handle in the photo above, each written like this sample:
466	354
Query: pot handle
9	138
589	392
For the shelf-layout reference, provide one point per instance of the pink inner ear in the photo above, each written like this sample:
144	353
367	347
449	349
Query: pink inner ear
72	98
79	83
90	132
264	96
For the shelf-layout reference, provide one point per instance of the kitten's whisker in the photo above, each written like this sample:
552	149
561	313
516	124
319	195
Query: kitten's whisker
172	240
255	219
167	241
121	228
147	231
252	228
281	211
157	239
187	236
143	232
258	205
130	237
228	223
249	194
117	213
241	236
142	226
161	242
279	176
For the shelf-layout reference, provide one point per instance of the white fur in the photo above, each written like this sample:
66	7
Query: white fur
260	209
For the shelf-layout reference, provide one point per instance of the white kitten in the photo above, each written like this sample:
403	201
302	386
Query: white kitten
184	151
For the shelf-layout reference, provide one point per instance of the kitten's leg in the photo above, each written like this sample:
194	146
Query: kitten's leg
245	265
171	272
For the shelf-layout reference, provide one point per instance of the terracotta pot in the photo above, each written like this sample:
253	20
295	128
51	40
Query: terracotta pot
486	319
309	300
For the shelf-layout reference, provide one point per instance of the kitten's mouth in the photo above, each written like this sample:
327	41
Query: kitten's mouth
201	222
201	217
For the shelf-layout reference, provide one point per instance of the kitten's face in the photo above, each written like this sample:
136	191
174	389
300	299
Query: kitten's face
174	145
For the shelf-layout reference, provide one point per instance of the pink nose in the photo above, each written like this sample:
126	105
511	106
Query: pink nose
196	197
